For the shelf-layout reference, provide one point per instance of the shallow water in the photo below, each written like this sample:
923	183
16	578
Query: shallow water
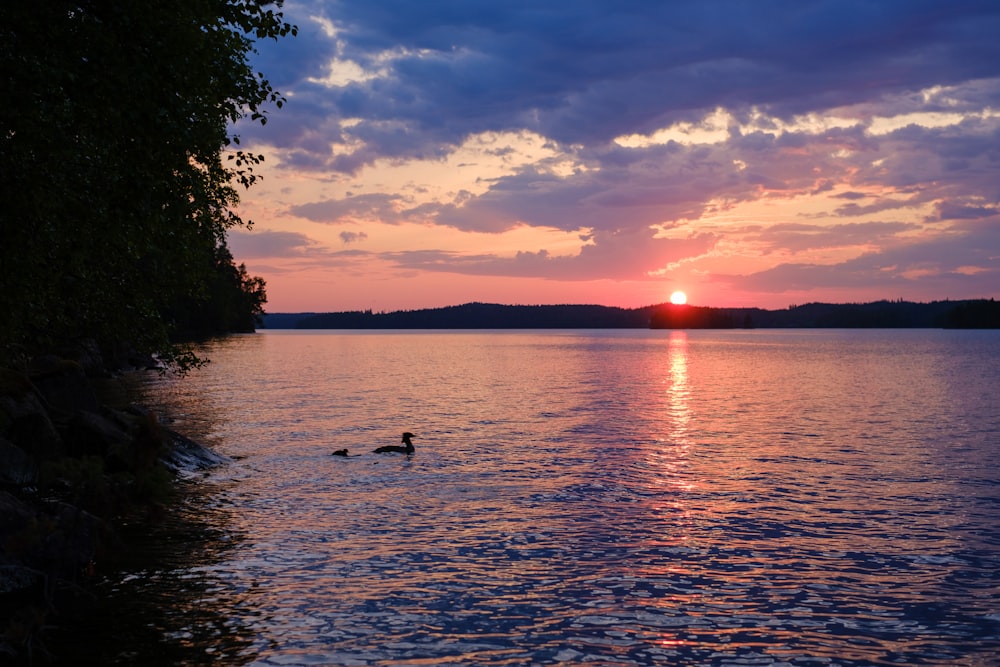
601	497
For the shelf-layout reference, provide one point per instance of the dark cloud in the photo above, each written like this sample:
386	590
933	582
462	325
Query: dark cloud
879	205
956	263
352	237
949	210
588	71
294	246
263	243
376	206
417	79
800	237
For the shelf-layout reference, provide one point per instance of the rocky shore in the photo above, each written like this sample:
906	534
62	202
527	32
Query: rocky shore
74	466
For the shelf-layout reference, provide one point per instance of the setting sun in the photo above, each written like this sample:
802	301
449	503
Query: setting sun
678	298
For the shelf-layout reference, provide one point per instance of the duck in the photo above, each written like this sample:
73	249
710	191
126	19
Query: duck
391	449
339	452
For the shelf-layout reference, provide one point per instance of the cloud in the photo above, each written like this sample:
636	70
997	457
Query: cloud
953	263
835	143
581	75
299	249
799	237
950	210
372	207
263	243
352	237
610	256
436	72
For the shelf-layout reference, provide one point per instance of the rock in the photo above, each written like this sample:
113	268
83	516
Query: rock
58	539
74	544
92	434
187	456
55	434
25	422
16	467
14	514
180	454
64	385
88	355
18	579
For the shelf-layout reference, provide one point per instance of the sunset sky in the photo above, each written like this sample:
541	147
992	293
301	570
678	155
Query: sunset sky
749	153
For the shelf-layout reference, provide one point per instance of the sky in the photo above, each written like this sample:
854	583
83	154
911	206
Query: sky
749	153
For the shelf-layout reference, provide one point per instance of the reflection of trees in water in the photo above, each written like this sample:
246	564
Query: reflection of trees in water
158	601
162	604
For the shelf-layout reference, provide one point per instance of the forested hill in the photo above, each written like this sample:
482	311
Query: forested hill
481	316
978	313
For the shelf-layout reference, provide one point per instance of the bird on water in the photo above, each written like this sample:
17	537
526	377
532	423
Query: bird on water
401	449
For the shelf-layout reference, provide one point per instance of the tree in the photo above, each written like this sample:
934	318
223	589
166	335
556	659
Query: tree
118	173
233	302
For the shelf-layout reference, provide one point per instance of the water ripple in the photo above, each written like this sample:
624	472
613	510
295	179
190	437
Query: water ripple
606	498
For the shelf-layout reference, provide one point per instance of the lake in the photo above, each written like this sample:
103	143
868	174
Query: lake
603	497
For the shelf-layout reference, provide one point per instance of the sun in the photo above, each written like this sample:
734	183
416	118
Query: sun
678	298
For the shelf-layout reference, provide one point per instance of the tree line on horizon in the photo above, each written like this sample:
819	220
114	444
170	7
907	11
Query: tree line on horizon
963	314
119	175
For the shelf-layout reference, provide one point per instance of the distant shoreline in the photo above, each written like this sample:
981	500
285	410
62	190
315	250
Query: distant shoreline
961	314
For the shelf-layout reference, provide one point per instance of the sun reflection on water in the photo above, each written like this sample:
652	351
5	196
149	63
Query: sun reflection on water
679	392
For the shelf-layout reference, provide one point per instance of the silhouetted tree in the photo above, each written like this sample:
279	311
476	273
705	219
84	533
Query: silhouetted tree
663	316
117	177
978	314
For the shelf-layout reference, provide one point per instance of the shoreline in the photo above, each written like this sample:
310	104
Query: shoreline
962	314
83	472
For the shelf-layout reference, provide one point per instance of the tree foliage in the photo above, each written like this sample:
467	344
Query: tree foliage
118	173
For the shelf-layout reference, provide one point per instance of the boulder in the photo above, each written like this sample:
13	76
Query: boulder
14	514
17	578
25	422
181	455
55	538
187	457
91	434
63	385
88	355
16	467
74	544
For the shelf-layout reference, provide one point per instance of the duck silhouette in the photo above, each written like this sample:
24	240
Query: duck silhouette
339	452
400	449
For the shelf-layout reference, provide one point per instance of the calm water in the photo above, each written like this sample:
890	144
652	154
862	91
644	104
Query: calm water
599	497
